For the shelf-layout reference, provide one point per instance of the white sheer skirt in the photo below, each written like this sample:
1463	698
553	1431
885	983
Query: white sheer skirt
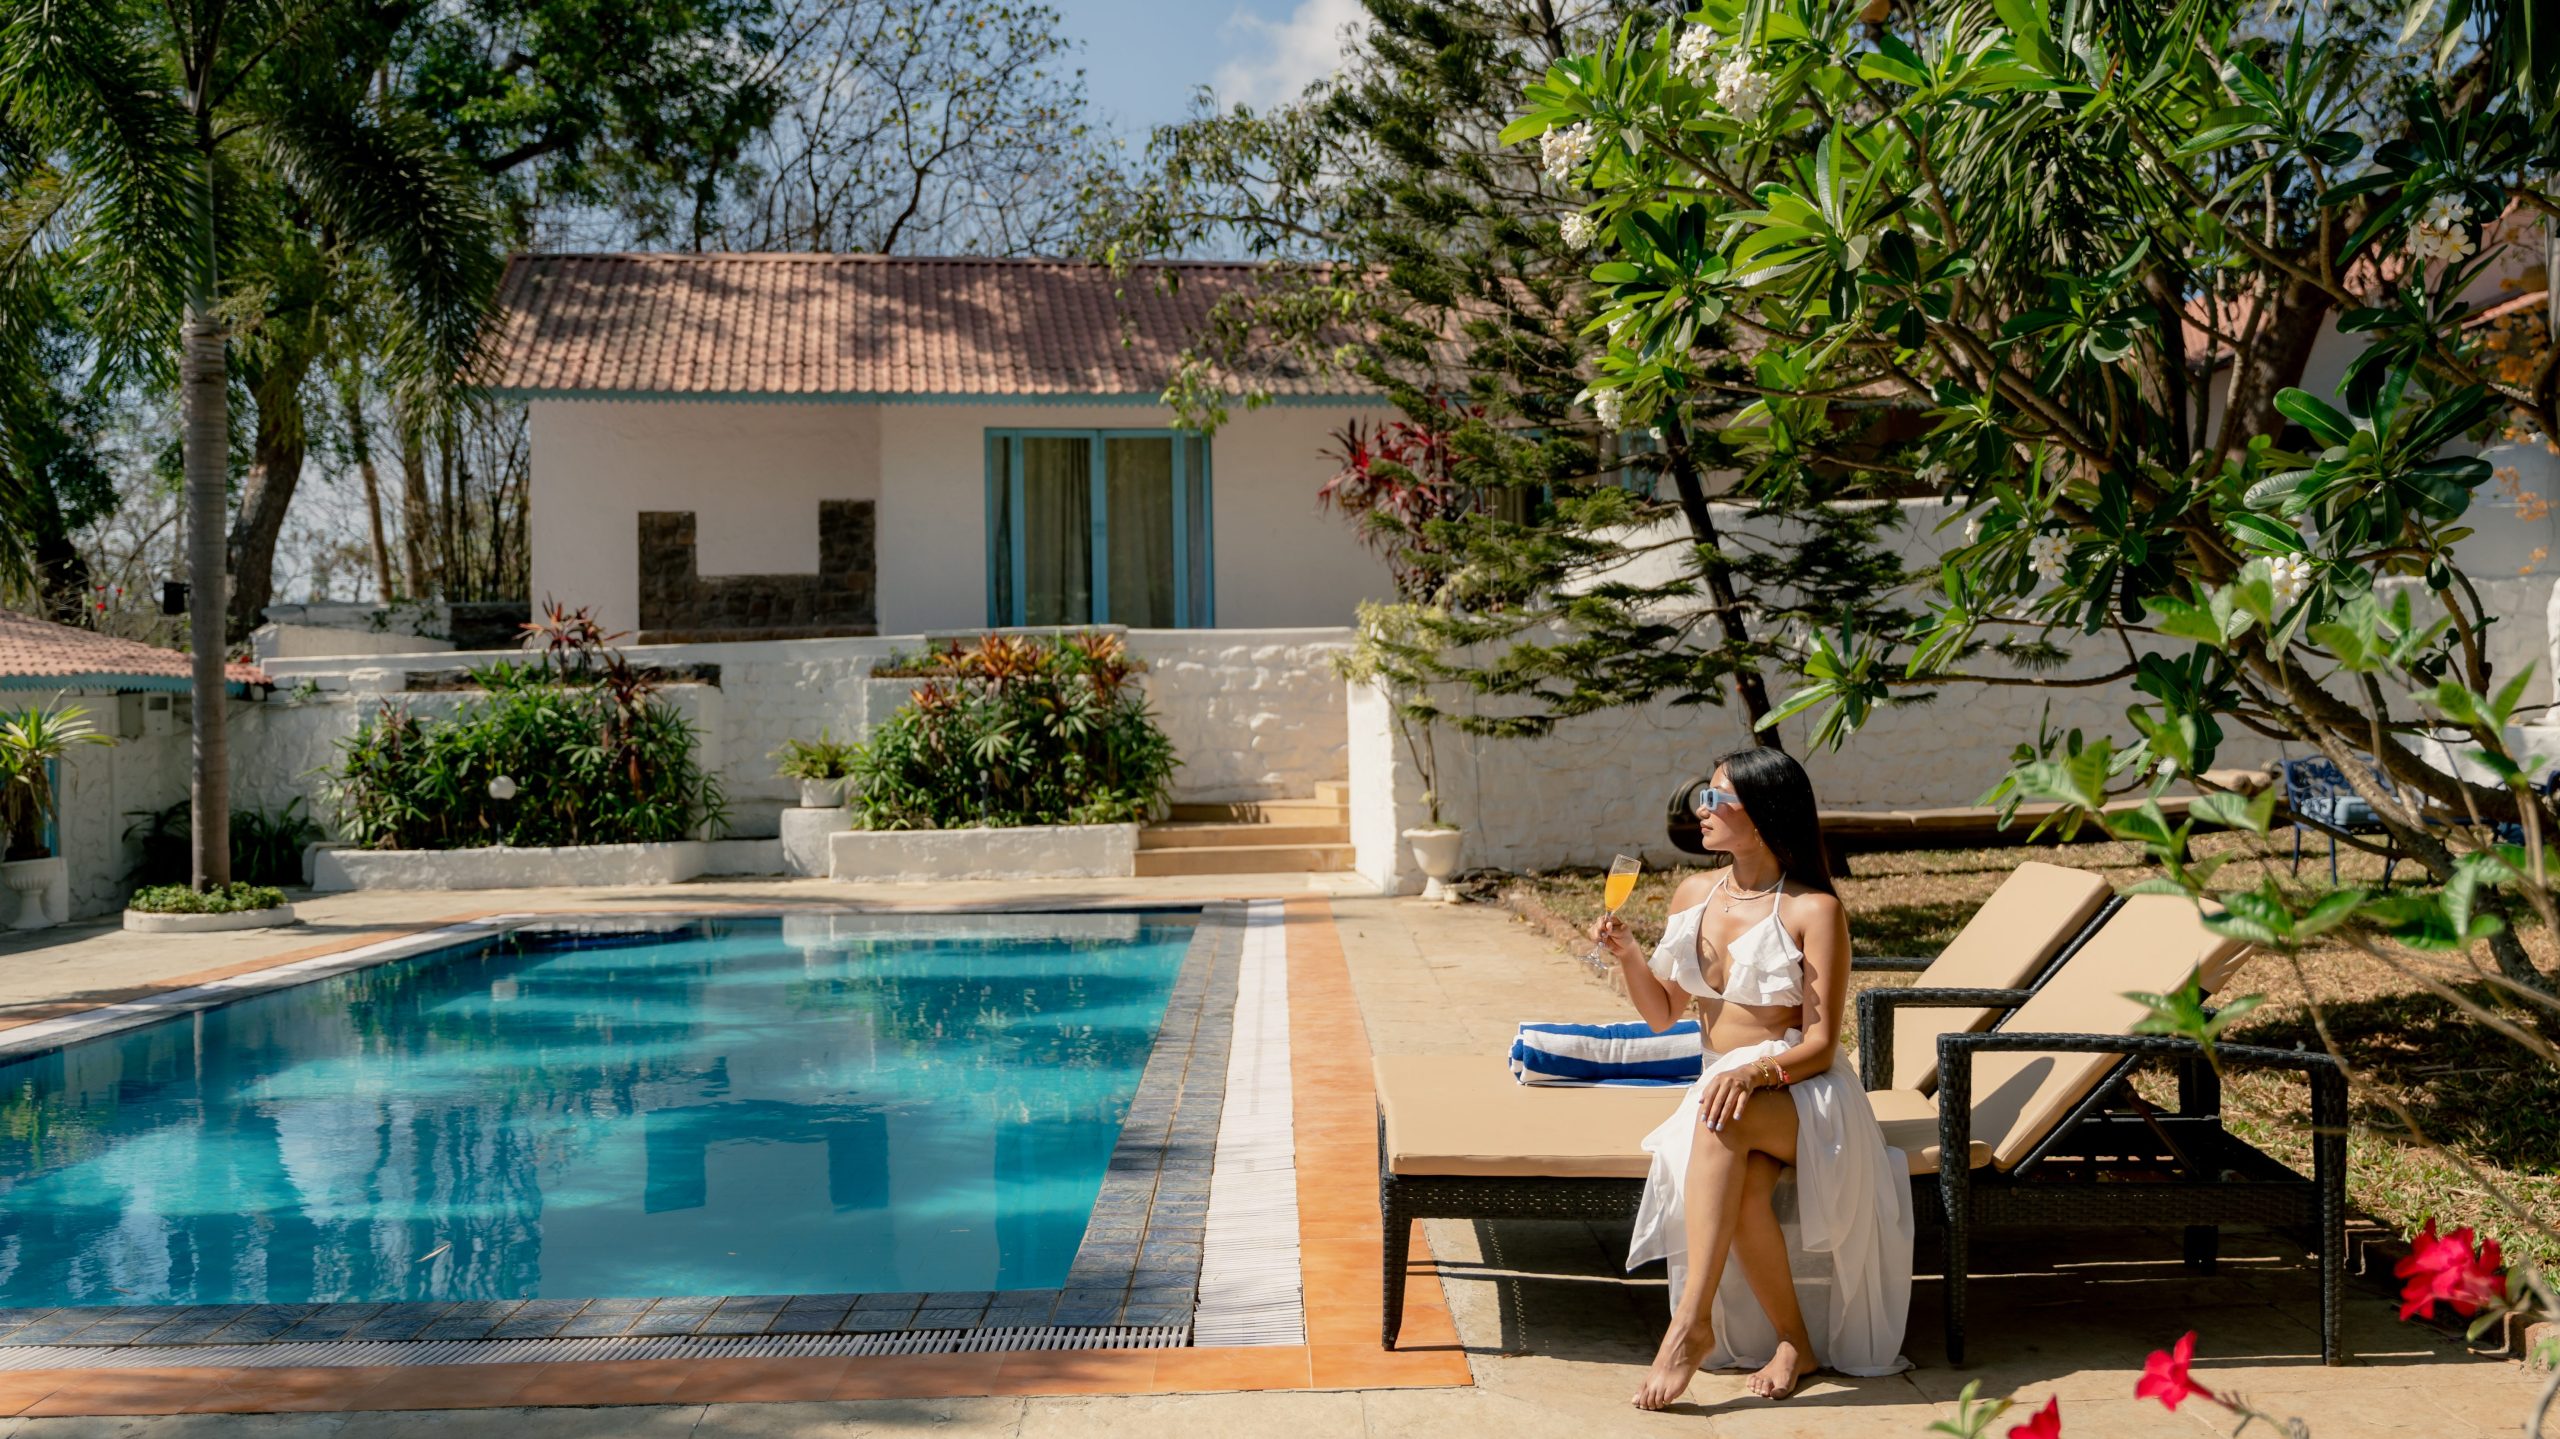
1845	1207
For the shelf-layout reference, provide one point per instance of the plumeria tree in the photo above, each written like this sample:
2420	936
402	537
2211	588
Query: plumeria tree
2084	253
2090	250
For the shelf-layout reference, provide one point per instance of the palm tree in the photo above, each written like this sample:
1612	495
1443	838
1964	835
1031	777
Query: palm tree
145	150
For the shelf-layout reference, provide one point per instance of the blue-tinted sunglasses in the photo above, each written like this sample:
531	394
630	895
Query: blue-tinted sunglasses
1711	799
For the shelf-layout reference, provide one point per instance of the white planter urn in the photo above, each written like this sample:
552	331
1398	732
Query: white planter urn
1436	850
43	888
821	793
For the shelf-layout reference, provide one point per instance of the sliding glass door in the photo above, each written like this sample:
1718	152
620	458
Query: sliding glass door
1098	527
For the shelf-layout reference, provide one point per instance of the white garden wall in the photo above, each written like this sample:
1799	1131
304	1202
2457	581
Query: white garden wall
1253	714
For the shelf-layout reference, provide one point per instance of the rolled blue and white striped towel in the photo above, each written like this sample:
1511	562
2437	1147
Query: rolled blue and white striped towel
1619	1054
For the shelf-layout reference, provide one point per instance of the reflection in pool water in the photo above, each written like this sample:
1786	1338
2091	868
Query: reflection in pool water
816	1104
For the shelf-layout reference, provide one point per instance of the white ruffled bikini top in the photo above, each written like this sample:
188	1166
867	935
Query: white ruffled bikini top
1762	964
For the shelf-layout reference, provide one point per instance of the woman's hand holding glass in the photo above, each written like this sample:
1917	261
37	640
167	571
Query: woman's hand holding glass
1615	939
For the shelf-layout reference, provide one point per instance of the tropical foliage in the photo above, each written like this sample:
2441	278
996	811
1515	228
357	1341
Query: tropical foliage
825	757
238	897
2065	266
575	748
1448	270
266	845
1016	730
32	741
2091	250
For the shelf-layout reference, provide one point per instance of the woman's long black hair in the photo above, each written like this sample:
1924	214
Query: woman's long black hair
1778	795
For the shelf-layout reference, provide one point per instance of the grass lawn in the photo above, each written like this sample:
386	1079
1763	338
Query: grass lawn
2473	1092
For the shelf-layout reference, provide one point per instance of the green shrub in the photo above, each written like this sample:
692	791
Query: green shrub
575	749
232	898
266	848
1016	731
825	757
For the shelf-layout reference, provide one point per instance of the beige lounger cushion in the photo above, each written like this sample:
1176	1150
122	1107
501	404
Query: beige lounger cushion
2007	943
1464	1115
2154	944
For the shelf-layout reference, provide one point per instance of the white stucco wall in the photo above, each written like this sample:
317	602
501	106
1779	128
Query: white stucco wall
753	474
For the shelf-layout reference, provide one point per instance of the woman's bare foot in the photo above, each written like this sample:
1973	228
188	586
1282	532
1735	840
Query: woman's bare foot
1778	1378
1684	1345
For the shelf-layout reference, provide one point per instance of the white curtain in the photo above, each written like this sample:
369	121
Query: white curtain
1140	483
1057	530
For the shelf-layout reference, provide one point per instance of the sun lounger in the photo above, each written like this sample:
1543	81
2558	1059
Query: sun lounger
1468	1146
2017	1133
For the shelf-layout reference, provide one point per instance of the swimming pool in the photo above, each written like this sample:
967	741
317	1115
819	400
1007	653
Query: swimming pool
820	1103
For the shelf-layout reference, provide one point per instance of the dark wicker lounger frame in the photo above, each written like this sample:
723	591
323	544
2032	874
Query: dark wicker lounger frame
2101	1167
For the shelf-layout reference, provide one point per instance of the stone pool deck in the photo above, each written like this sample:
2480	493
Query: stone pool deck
1537	1332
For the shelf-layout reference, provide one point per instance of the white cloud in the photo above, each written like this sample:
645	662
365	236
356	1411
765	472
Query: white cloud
1276	59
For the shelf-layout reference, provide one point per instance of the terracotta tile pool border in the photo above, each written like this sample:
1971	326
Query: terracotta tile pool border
1340	1244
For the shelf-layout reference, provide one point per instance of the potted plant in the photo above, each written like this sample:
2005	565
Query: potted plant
820	765
31	741
1393	649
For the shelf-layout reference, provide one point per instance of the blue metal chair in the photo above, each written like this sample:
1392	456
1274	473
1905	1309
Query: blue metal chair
2318	797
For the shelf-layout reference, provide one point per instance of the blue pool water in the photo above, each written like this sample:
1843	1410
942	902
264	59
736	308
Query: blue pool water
818	1104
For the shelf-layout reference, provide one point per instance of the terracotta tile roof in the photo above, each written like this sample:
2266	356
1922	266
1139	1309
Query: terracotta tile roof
869	325
35	653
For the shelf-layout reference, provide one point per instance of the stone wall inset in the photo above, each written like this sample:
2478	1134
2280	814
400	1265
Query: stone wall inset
679	604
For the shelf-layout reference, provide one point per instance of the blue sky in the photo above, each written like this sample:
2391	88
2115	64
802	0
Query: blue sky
1143	58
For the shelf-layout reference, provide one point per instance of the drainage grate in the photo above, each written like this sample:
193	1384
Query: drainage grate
347	1354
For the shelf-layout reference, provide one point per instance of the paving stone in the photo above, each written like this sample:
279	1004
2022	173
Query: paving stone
946	1318
591	1324
739	1321
909	1302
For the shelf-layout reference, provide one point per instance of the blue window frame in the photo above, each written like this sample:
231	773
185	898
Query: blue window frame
1099	527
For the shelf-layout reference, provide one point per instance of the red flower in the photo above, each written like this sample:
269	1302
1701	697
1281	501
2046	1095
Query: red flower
2164	1375
2446	1268
2047	1423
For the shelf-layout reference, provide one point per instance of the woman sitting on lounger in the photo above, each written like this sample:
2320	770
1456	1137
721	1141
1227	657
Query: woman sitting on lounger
1762	948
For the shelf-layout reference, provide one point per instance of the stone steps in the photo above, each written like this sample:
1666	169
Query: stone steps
1246	859
1265	811
1227	836
1274	836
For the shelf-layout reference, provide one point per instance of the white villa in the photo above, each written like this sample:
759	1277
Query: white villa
798	446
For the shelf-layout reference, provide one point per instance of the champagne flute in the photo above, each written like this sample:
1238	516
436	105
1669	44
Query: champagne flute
1620	887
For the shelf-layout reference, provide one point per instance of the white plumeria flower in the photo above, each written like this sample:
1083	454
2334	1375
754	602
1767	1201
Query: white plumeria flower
1579	232
1617	323
1567	150
1972	529
1690	56
1741	89
2430	243
2289	576
502	788
1933	474
2049	554
1611	408
2446	212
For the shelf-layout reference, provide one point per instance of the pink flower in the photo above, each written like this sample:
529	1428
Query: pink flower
2446	1268
2047	1423
2164	1375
